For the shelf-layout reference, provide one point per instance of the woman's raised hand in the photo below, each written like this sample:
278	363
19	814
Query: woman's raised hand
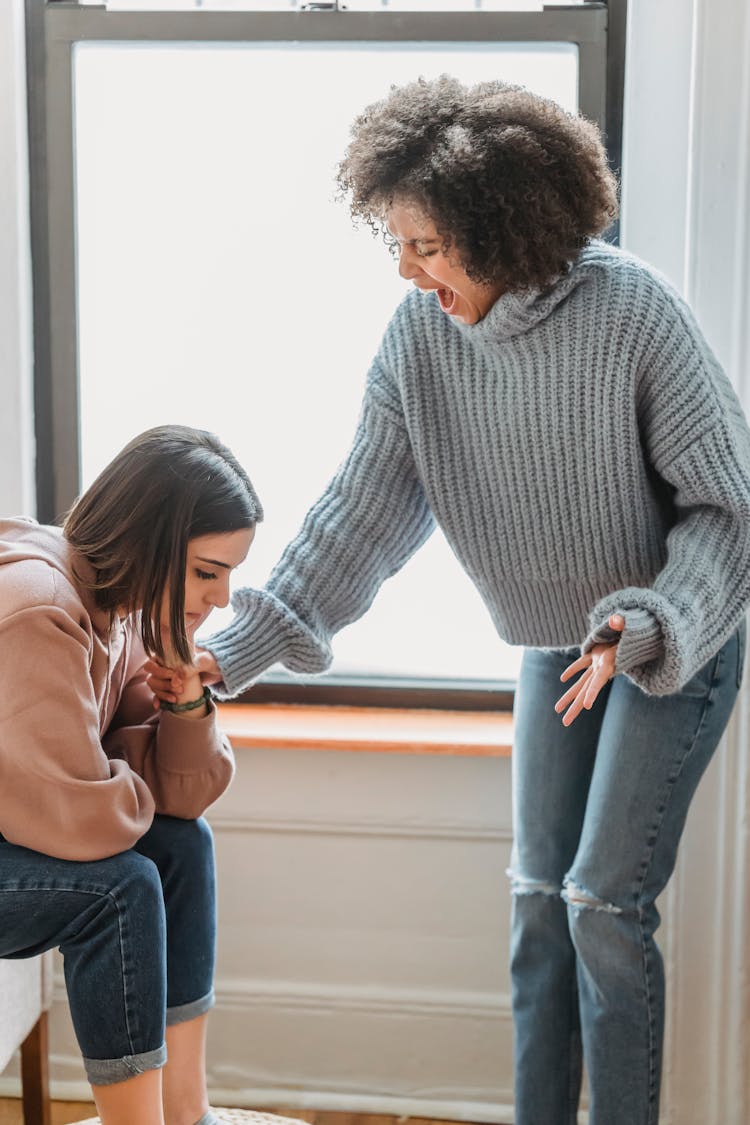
598	667
170	684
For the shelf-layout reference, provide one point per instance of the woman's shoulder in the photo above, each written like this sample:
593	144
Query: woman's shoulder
35	569
624	273
630	296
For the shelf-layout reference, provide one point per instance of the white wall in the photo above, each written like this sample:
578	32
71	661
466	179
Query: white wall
686	207
16	435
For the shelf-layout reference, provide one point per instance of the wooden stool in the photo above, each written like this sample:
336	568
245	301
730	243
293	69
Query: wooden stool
233	1117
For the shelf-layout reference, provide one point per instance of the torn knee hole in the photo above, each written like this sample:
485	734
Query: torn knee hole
522	885
580	898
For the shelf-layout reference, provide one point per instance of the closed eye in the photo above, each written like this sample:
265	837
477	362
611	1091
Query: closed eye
205	575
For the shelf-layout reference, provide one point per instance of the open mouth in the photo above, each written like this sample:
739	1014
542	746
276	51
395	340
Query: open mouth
447	299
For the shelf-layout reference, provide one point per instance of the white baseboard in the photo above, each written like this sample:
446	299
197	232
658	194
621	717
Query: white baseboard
427	1053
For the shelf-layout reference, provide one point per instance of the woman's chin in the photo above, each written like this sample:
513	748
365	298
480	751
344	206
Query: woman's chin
194	621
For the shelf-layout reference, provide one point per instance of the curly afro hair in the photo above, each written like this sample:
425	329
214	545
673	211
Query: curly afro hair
515	185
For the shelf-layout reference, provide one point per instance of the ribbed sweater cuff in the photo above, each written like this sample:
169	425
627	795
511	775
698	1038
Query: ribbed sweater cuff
639	642
263	632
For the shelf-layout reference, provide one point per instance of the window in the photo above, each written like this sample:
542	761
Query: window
191	160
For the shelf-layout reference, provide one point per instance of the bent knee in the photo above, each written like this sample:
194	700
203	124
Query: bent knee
139	875
171	834
183	832
521	884
581	899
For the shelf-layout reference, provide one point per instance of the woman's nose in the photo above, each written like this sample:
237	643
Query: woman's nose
219	595
408	266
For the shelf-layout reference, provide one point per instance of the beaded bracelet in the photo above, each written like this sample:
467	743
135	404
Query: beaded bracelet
205	697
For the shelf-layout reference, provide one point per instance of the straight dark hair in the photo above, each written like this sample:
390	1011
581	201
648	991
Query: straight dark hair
169	485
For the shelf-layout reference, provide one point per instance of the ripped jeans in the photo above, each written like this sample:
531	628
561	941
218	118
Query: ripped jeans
598	809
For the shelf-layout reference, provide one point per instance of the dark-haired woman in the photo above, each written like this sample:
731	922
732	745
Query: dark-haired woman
550	402
103	851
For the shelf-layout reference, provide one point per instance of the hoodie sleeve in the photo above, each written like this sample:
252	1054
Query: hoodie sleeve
59	792
186	763
696	437
370	520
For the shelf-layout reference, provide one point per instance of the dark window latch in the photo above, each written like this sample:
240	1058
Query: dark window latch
322	6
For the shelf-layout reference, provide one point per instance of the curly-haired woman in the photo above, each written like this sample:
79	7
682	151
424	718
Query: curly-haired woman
550	402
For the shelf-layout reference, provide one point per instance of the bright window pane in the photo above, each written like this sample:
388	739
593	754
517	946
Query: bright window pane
220	285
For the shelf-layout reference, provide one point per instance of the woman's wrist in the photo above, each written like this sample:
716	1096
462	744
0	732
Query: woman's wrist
192	701
191	686
192	708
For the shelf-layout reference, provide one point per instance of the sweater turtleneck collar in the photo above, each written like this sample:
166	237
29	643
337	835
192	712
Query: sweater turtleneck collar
520	310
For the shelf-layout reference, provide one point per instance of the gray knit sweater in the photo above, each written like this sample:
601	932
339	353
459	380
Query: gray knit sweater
583	453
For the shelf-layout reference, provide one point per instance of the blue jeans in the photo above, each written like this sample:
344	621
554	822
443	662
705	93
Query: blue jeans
137	933
599	809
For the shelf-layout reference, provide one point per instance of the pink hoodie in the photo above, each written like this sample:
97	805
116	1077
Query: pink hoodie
85	761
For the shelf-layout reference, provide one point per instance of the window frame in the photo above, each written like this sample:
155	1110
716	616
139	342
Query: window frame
54	27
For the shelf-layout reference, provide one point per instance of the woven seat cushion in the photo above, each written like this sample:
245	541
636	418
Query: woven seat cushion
233	1117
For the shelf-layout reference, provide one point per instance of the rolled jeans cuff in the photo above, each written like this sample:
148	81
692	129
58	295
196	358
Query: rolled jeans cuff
184	1012
105	1072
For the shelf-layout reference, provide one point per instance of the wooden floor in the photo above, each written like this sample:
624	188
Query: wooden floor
62	1112
65	1112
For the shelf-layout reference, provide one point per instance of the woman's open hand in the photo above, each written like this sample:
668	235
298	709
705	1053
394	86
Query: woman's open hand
598	667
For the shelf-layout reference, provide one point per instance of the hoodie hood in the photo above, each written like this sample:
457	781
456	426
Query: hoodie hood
23	540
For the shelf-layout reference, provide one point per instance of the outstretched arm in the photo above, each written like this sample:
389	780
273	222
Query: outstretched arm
372	517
